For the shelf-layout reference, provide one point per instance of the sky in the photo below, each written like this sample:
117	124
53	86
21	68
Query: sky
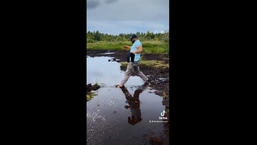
127	16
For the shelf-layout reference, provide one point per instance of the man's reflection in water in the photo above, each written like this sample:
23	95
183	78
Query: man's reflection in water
134	103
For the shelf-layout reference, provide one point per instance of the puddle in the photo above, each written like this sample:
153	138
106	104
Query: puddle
110	112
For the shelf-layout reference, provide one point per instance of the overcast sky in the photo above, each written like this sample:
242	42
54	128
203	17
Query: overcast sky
127	16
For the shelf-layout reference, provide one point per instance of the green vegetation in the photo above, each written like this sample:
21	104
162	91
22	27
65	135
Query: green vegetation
156	47
90	95
164	95
152	43
104	45
91	90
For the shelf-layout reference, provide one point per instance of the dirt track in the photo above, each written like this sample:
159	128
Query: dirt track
159	77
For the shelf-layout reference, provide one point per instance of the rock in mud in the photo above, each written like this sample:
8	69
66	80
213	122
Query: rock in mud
91	87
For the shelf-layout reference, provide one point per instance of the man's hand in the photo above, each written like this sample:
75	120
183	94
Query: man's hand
125	46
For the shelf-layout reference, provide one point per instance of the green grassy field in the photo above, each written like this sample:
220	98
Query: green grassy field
156	47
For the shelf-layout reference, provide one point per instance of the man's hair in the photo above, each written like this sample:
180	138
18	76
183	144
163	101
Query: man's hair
133	36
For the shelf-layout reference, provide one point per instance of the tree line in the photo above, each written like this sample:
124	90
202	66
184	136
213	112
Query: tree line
98	36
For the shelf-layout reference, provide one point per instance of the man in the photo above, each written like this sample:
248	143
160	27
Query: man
133	64
134	103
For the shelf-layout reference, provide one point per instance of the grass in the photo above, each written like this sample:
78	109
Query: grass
90	95
156	47
103	45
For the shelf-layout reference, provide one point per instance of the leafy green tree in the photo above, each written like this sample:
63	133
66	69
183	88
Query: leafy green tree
97	36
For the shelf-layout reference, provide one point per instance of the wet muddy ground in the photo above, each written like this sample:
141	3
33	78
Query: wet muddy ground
110	112
161	85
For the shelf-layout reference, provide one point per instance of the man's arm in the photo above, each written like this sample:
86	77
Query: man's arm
139	50
126	46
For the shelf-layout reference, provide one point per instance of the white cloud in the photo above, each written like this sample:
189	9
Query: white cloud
128	16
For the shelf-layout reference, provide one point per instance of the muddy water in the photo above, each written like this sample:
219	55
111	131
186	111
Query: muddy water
108	115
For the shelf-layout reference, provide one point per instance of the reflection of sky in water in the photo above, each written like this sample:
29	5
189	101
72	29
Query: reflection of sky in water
100	70
107	119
